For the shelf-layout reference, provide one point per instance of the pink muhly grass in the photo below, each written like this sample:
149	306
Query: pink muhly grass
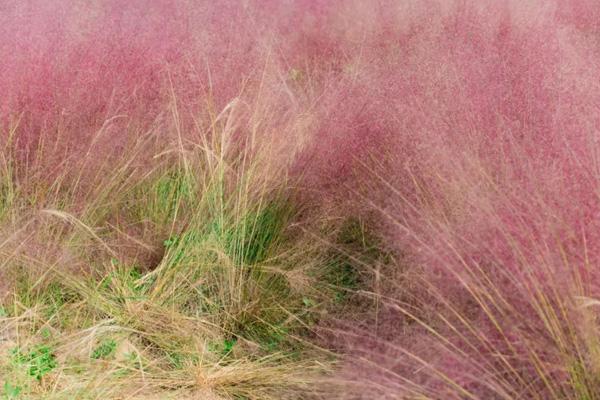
495	199
471	127
91	78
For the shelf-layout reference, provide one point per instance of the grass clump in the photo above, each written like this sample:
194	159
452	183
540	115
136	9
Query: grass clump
187	280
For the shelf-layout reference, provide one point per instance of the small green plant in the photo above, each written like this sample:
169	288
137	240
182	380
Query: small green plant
104	350
11	391
39	361
228	345
223	348
3	312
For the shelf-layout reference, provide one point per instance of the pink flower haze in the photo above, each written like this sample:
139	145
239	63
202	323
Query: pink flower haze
491	193
470	127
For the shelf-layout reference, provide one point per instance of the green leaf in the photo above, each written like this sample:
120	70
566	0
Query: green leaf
228	345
